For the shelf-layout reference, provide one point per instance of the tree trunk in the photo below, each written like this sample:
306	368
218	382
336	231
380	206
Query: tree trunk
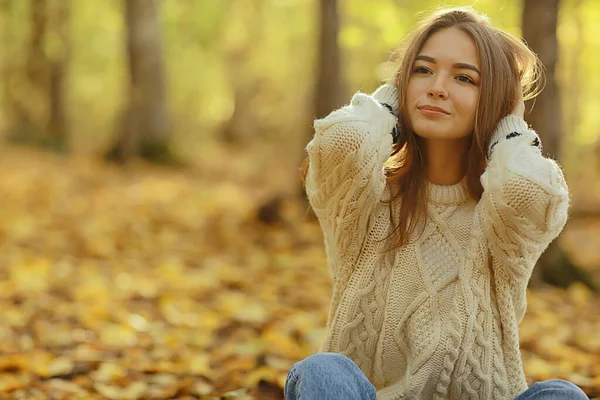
242	125
37	105
30	108
328	91
36	58
539	31
6	39
143	129
59	61
329	83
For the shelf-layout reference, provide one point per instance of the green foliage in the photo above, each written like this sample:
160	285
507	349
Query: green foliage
263	51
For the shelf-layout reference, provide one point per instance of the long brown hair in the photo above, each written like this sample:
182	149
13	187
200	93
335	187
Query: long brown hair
507	67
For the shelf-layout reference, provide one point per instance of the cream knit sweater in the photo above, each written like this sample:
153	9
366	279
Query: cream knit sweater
437	318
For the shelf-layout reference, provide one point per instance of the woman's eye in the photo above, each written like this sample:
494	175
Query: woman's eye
421	70
464	78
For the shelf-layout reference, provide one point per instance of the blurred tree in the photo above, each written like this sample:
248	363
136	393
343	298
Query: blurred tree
59	46
239	46
539	31
36	85
6	38
37	69
328	92
143	129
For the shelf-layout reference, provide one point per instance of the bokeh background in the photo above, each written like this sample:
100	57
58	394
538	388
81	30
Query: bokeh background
155	241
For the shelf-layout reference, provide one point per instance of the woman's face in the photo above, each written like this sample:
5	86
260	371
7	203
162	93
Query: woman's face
443	89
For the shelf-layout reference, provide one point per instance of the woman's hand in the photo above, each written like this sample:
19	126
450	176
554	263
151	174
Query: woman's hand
519	109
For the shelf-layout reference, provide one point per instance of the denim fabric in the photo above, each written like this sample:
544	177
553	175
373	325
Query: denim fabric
327	376
334	376
553	389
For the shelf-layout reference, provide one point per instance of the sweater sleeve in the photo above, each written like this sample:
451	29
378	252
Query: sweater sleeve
525	205
345	178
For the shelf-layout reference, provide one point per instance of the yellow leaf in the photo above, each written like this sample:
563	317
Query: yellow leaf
263	373
13	361
579	379
241	364
32	277
199	364
202	388
202	338
117	335
579	294
589	341
15	318
10	382
108	372
40	362
252	313
210	320
281	344
132	392
60	366
138	322
539	368
278	363
60	385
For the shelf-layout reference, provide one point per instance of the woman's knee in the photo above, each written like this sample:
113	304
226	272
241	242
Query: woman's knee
314	369
327	357
324	361
328	375
567	387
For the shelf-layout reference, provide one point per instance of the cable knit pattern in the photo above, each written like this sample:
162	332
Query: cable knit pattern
437	318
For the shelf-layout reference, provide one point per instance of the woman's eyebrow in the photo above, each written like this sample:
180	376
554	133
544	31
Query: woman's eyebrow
456	65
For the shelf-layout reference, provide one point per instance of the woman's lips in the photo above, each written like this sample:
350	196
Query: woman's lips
433	111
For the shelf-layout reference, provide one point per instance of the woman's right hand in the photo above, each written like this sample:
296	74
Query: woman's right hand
387	94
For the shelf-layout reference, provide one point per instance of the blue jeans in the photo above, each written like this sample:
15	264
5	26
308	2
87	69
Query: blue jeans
333	376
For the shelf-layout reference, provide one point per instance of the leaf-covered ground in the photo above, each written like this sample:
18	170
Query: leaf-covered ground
146	283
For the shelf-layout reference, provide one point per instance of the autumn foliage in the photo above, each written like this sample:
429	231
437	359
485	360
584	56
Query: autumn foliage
149	283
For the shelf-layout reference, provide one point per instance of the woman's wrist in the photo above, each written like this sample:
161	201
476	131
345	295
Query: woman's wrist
509	127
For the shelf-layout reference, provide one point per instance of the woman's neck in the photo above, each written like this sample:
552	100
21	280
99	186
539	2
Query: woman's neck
445	159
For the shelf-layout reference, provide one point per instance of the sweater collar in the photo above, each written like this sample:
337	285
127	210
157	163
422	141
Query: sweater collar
448	194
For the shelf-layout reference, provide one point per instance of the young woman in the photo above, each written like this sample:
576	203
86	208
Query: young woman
435	203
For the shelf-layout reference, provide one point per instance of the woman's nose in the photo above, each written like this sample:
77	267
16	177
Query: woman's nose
438	89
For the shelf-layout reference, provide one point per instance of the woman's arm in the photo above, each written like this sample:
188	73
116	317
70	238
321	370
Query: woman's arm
525	204
345	178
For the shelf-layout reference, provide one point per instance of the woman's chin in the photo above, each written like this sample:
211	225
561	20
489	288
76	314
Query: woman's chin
432	134
430	129
437	132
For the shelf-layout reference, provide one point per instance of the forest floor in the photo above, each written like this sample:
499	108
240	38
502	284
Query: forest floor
154	283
